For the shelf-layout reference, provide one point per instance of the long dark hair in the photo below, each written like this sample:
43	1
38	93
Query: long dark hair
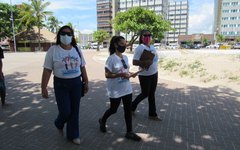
114	40
141	34
73	43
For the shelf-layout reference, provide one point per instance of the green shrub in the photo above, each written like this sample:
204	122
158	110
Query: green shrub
24	49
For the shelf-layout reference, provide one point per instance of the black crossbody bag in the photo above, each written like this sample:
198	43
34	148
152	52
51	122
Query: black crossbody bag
83	83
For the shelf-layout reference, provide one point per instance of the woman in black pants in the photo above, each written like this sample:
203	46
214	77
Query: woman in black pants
118	85
148	78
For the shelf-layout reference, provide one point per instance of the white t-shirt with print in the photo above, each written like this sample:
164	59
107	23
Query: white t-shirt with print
64	63
137	54
117	87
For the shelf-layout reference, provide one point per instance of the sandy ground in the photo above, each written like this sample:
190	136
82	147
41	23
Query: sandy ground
218	69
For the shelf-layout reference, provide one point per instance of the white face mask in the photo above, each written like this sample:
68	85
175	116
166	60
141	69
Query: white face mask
65	39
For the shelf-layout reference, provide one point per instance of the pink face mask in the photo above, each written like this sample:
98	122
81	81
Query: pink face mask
146	40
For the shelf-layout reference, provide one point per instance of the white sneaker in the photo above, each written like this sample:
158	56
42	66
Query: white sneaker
76	141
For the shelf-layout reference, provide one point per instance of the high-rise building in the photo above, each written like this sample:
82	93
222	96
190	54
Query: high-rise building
176	12
178	16
159	6
227	18
85	39
104	15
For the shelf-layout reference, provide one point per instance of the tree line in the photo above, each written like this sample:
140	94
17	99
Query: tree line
131	22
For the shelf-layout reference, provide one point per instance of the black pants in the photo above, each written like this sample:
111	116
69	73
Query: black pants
2	91
148	87
127	104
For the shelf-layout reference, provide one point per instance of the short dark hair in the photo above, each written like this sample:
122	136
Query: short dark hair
141	34
73	43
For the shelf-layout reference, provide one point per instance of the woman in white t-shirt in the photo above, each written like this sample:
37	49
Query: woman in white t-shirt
148	78
67	63
118	85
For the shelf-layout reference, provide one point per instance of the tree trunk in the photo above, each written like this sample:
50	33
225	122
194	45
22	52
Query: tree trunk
134	38
39	45
98	47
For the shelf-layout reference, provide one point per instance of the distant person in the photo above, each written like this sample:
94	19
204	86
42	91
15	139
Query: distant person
148	78
118	85
2	81
67	63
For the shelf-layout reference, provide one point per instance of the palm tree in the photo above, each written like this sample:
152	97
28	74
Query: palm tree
27	21
53	24
70	24
34	14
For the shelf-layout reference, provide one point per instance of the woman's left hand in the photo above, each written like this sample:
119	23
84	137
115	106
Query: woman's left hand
132	74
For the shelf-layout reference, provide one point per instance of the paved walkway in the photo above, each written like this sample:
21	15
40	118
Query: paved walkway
193	118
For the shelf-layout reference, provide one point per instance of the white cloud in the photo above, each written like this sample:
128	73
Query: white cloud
61	4
73	5
87	31
201	19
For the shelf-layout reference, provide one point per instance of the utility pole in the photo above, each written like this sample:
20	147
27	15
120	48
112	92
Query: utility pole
14	40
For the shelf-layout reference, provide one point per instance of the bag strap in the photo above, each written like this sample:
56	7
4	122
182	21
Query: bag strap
79	56
78	53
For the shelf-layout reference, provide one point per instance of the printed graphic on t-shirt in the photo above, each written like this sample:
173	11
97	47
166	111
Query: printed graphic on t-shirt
121	79
71	65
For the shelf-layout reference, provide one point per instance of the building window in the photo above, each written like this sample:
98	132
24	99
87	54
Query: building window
225	25
225	11
224	18
226	4
234	10
234	3
233	18
231	33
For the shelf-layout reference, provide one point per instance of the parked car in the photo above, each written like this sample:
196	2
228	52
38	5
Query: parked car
157	45
5	47
236	46
216	46
171	47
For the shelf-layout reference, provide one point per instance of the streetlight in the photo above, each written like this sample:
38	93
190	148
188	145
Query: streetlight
14	40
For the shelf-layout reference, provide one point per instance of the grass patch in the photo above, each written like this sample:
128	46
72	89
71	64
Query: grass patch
195	69
169	64
234	78
210	78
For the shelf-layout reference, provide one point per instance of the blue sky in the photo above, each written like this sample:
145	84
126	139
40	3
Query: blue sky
82	14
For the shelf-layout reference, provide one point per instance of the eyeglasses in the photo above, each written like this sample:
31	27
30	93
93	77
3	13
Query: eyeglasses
147	35
124	64
66	33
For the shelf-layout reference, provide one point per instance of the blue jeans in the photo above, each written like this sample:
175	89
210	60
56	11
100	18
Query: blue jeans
2	91
68	95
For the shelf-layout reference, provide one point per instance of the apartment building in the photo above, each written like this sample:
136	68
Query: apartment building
178	15
104	15
176	12
159	6
227	18
85	39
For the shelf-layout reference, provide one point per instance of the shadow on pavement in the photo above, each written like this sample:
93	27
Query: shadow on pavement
193	118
